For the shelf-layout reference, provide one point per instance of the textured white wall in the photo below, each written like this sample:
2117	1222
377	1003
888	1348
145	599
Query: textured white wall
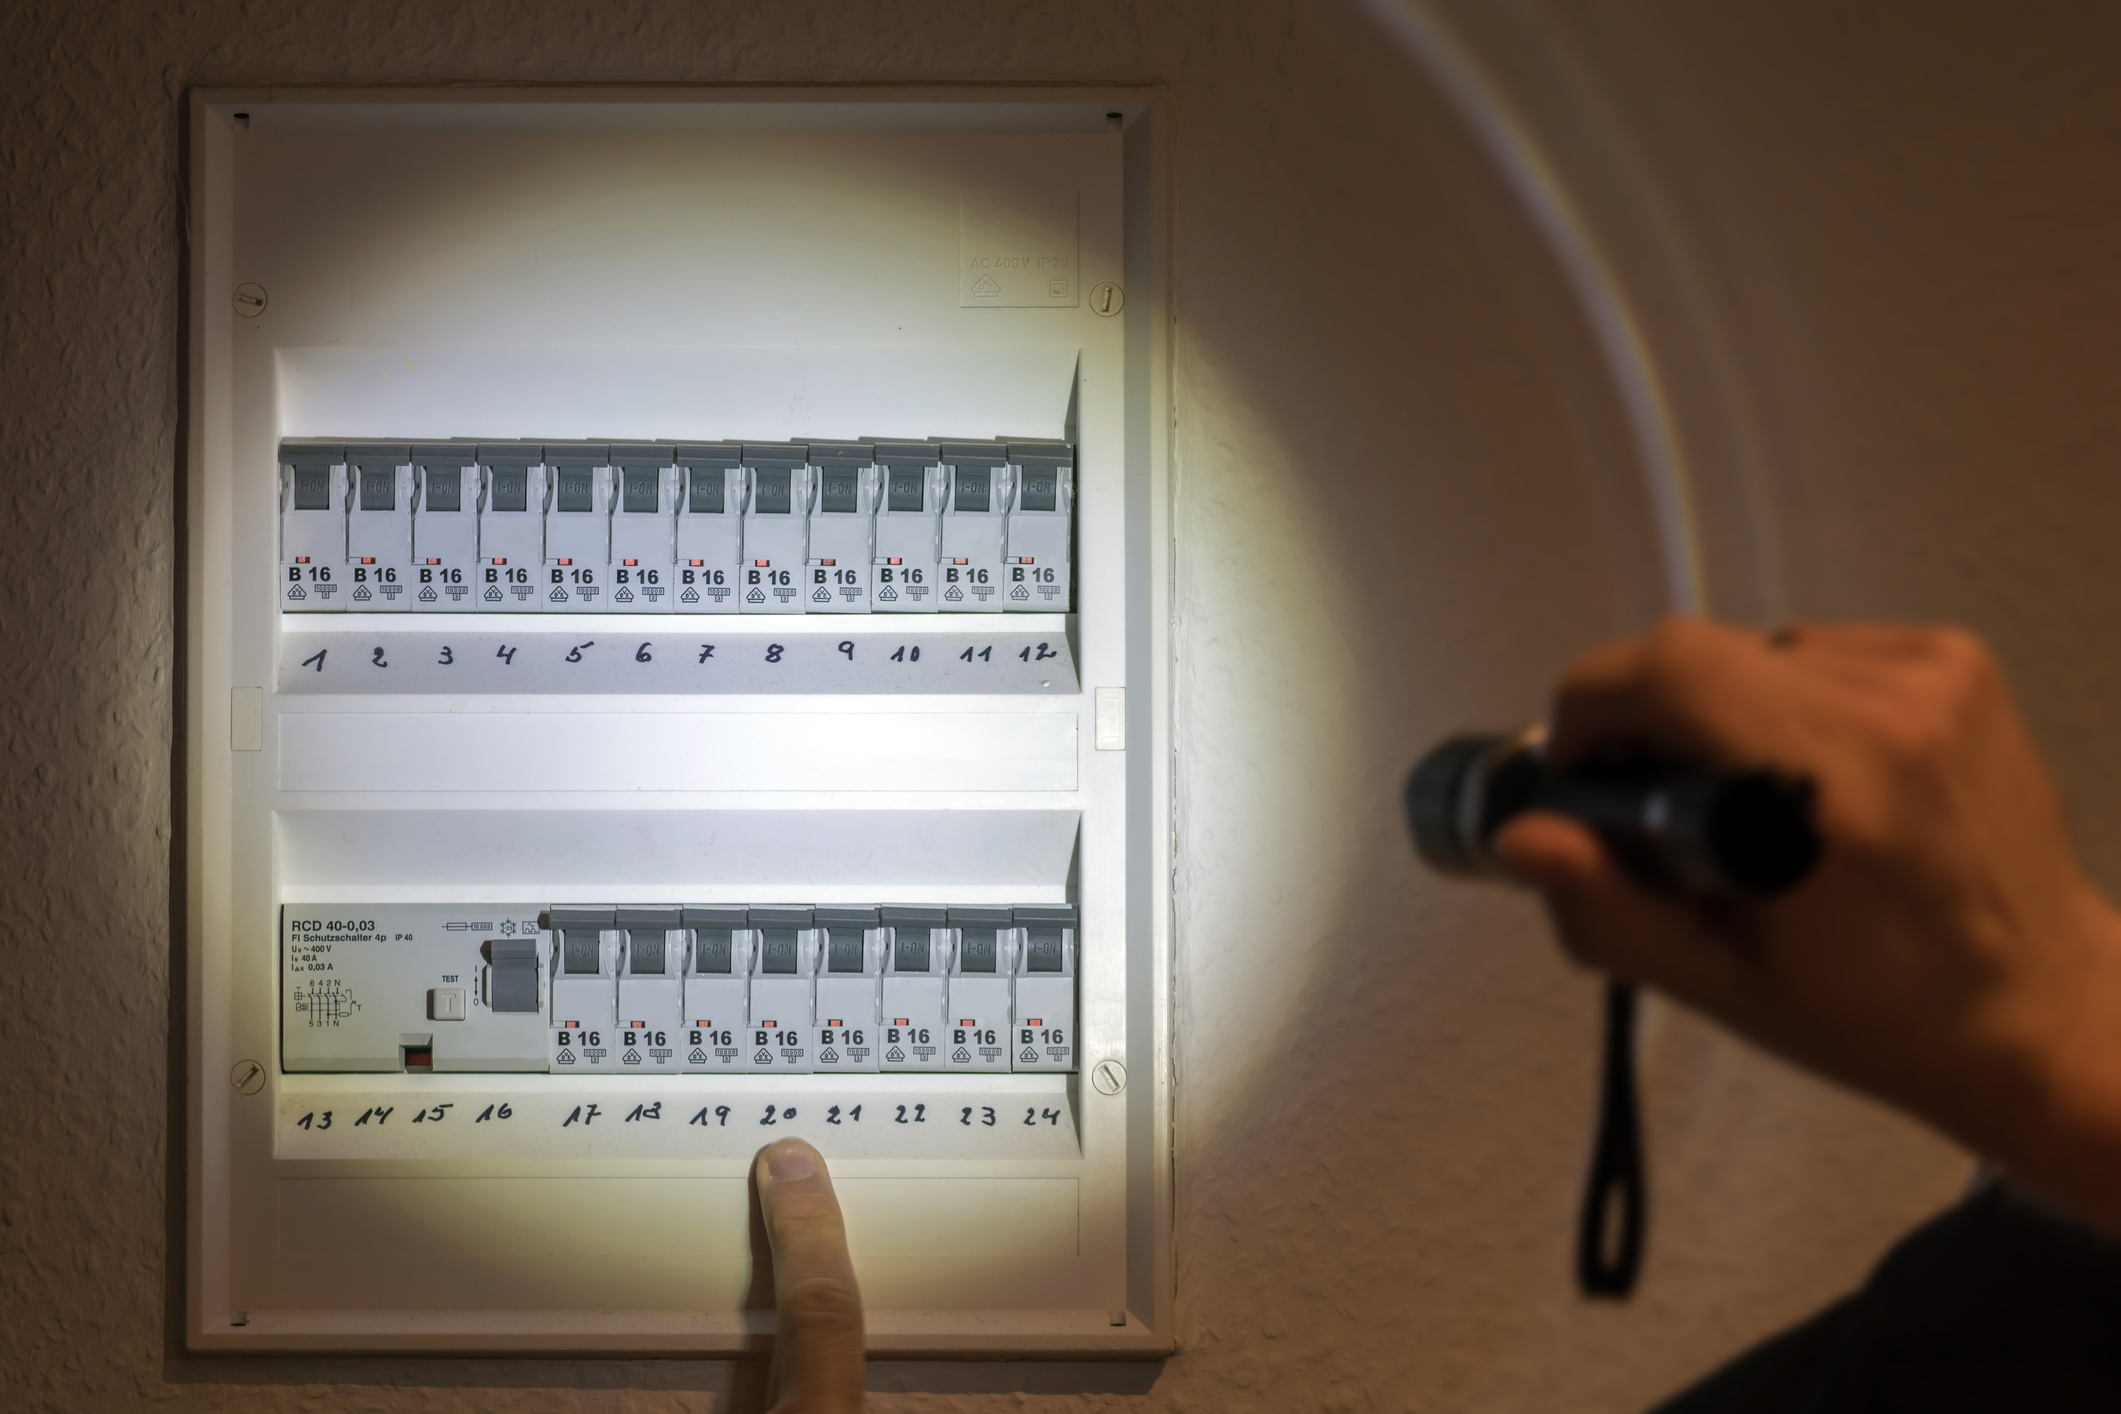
1397	510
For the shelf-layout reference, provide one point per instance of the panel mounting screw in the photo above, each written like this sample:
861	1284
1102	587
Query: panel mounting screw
1109	1076
1106	299
247	1076
249	300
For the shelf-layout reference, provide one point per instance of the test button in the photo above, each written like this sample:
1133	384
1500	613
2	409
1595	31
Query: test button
445	1004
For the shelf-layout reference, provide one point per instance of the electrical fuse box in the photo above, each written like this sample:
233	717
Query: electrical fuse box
512	527
379	528
312	528
850	982
445	527
909	528
1037	548
977	1010
710	529
842	528
975	524
485	914
783	991
585	989
1042	1000
643	529
577	530
776	528
651	1005
917	954
718	990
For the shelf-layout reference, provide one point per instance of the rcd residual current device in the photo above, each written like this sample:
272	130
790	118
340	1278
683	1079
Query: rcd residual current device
675	609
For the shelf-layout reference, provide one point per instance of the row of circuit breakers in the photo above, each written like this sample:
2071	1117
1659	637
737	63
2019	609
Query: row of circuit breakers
747	991
719	528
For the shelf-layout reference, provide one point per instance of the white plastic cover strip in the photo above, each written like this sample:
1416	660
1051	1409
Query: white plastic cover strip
678	751
760	394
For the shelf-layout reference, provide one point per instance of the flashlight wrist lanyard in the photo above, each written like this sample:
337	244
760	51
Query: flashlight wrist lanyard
1615	1197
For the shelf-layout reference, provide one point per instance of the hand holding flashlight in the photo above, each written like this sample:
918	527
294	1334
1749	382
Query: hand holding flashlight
1945	952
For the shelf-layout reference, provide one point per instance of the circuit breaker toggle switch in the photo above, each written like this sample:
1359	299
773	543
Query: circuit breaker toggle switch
379	529
710	528
850	980
651	1011
313	484
842	528
974	526
776	528
918	947
445	528
511	528
577	530
782	1033
1037	549
909	528
718	990
1043	1034
585	987
642	529
977	1010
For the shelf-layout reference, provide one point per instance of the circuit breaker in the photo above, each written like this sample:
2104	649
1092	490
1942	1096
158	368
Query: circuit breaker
641	705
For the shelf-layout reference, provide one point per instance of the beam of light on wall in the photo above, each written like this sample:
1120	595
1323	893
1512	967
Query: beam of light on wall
1530	176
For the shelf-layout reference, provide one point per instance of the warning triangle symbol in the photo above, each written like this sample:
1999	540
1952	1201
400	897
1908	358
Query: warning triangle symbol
764	1057
755	597
960	1056
624	596
1028	1055
1019	593
889	593
823	596
567	1058
698	1056
633	1058
297	593
558	594
493	593
894	1054
427	595
362	593
986	286
953	593
830	1057
691	596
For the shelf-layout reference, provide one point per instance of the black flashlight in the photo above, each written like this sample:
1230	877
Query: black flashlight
1736	834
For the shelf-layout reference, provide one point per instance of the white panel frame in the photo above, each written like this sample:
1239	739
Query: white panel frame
229	802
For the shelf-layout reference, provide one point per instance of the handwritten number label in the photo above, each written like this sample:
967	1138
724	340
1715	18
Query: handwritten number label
316	659
377	659
447	657
906	654
847	647
506	655
774	652
706	651
642	655
574	654
771	1112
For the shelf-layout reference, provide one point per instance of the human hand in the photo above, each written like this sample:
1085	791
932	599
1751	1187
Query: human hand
817	1347
1947	954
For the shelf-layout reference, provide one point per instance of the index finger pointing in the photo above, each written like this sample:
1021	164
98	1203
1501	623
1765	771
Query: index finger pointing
818	1348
